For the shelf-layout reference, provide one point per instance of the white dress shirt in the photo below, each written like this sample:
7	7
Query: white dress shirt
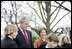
10	37
22	31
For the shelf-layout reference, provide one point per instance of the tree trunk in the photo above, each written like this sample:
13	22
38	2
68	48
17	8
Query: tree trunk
48	10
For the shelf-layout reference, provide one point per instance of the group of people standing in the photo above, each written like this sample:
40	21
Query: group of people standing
51	41
20	37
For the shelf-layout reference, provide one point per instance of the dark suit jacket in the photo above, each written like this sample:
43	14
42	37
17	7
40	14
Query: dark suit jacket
58	46
20	39
43	45
67	45
7	42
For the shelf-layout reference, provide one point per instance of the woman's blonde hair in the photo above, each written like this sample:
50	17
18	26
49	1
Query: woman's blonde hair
9	29
62	43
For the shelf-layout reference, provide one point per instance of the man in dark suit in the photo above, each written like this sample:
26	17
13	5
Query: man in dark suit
24	37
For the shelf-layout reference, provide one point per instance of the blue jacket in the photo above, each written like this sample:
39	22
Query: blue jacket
20	40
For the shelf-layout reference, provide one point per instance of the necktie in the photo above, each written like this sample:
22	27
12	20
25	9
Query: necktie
26	38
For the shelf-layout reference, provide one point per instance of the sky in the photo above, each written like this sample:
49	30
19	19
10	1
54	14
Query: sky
66	21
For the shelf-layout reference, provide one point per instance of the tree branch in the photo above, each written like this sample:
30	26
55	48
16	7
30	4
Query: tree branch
59	20
35	11
63	7
57	13
41	12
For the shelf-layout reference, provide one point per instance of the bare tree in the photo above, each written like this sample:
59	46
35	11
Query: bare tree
45	13
12	13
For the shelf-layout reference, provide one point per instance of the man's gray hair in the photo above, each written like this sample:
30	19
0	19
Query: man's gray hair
22	19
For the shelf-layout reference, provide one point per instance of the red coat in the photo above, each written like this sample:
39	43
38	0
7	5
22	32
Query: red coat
38	42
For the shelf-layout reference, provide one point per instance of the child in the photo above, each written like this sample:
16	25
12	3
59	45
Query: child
53	42
10	33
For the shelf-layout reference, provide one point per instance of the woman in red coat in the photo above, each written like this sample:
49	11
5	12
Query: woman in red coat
42	39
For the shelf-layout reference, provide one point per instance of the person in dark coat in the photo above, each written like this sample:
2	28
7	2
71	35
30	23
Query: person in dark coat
10	33
43	45
7	42
24	37
65	42
53	42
